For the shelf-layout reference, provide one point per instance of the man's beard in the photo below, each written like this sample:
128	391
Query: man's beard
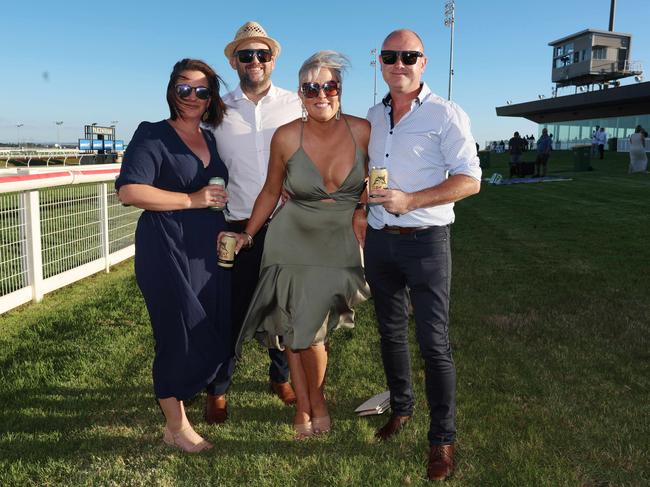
247	82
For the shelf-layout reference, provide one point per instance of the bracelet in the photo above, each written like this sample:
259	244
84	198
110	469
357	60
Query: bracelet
250	239
361	206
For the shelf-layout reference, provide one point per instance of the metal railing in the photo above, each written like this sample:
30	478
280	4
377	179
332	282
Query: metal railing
57	228
623	144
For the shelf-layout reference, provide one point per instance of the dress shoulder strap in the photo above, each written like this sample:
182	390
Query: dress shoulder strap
302	129
354	141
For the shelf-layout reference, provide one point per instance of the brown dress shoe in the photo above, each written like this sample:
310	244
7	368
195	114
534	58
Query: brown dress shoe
394	425
284	391
216	409
441	462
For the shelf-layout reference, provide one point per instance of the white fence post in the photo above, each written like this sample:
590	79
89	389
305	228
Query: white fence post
103	220
34	259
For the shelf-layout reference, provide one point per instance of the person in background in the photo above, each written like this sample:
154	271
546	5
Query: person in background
256	108
166	172
638	157
544	146
516	147
594	141
602	140
407	244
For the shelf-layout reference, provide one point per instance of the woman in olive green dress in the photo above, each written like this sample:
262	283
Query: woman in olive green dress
311	274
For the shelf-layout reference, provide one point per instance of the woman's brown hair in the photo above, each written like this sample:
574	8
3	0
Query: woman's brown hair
216	109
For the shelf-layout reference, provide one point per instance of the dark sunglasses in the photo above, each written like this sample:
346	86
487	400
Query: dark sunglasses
246	55
312	90
409	58
184	90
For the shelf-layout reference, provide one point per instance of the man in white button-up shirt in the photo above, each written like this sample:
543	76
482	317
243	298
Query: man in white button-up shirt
254	110
425	144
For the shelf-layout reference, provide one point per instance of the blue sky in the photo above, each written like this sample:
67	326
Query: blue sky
84	62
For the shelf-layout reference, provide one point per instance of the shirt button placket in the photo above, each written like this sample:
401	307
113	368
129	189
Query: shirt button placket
387	150
259	138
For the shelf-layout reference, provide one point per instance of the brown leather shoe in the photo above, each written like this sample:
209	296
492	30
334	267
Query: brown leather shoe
441	462
216	409
394	425
284	391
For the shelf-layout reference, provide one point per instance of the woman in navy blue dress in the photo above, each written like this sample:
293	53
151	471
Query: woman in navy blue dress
166	170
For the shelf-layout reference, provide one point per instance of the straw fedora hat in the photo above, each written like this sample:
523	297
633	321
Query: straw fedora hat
252	31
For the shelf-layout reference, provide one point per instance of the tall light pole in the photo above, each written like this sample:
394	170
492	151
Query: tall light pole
18	125
450	10
373	63
58	132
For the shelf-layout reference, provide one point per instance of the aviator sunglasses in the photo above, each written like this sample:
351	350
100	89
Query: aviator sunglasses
409	58
183	90
312	90
246	55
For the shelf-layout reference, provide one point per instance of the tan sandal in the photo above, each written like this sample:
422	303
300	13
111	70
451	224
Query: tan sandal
303	430
321	425
171	439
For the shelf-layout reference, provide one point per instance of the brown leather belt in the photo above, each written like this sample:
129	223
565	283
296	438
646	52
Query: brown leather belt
403	230
245	222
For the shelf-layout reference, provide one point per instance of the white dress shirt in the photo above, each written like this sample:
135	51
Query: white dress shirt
244	143
430	142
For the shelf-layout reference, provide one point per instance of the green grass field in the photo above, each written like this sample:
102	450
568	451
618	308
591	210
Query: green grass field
549	328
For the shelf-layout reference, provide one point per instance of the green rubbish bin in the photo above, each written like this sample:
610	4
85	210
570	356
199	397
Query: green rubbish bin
582	158
484	158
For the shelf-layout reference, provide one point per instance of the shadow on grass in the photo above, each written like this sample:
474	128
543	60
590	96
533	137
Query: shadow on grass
70	423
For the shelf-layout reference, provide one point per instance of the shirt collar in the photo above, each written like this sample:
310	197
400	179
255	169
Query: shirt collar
424	92
238	94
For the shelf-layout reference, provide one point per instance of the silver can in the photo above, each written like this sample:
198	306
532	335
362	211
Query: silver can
217	181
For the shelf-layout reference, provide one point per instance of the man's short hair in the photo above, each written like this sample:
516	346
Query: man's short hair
397	31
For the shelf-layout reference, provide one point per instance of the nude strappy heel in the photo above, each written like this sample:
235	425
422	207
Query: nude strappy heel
303	430
171	439
321	425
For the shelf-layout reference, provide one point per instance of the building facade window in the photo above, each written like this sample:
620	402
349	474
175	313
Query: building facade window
599	52
578	132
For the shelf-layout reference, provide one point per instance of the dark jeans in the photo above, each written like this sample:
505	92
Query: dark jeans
601	150
421	262
244	280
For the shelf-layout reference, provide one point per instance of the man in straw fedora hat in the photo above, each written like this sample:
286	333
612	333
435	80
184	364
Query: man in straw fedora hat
254	110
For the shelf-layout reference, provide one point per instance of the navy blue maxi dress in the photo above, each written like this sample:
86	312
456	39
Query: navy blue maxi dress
186	293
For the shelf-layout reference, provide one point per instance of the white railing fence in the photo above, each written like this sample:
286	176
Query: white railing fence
59	227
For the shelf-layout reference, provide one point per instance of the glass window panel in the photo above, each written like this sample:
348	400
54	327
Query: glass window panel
599	53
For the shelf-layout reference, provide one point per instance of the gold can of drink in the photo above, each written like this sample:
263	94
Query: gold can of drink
226	250
218	182
378	178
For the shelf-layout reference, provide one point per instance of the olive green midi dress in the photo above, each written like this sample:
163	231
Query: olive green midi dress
311	274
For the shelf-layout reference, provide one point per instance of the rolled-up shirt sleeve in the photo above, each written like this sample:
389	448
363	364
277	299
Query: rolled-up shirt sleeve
142	159
458	145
